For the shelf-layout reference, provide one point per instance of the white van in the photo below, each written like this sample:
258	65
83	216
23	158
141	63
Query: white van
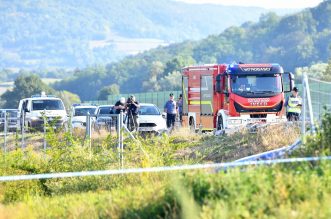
31	110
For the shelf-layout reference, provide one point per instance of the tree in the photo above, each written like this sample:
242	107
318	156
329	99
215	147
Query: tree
172	81
24	87
156	71
327	73
315	71
108	90
68	98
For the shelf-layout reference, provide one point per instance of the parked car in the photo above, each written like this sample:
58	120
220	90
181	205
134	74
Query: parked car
79	115
33	110
11	117
104	118
151	119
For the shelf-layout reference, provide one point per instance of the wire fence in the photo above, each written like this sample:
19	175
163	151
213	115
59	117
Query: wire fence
17	133
320	92
157	98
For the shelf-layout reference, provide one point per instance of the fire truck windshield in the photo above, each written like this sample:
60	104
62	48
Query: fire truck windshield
262	84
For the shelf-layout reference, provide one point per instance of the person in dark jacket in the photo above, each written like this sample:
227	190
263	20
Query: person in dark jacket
133	109
119	105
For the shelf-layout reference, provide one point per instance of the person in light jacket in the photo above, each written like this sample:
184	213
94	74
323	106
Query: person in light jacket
170	108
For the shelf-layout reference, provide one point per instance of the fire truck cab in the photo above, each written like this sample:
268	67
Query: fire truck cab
225	96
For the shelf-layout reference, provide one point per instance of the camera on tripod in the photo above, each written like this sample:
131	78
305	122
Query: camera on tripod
129	101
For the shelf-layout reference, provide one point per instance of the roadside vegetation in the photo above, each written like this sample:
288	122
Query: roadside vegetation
299	190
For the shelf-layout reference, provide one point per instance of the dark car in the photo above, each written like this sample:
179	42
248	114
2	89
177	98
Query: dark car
104	117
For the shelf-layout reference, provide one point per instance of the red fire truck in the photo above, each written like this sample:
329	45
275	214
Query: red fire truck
225	96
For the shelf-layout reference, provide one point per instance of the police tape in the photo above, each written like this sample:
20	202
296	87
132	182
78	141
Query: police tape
217	166
273	154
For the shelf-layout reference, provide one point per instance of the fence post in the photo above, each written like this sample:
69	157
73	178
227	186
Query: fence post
303	125
121	138
88	133
118	122
5	131
45	143
70	124
22	121
120	148
310	107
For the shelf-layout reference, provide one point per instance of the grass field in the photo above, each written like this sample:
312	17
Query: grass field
281	191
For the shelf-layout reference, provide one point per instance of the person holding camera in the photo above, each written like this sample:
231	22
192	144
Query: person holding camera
132	106
119	105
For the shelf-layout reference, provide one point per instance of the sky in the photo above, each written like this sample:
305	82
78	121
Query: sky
262	3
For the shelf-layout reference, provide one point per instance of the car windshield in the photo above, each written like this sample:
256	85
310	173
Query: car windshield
10	113
84	111
105	110
47	105
262	84
149	110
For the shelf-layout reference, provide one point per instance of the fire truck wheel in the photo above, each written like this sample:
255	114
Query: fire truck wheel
220	123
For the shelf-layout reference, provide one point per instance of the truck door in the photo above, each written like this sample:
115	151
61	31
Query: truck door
225	86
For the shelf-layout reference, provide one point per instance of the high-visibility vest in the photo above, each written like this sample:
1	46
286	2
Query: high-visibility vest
293	103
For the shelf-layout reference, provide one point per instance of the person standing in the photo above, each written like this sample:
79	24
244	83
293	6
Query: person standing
180	108
293	104
133	109
170	109
118	107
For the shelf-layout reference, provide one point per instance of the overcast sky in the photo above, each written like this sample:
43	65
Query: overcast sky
263	3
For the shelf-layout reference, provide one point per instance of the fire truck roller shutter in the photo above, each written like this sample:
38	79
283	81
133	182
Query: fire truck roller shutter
206	95
185	93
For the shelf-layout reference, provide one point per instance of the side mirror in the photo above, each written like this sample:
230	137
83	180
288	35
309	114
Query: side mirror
288	82
164	115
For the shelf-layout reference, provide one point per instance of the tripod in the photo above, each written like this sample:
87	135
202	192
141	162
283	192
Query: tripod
131	124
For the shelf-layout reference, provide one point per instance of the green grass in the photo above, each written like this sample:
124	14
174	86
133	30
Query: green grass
281	191
258	192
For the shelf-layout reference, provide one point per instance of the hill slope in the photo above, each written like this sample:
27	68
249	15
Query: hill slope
293	41
70	33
